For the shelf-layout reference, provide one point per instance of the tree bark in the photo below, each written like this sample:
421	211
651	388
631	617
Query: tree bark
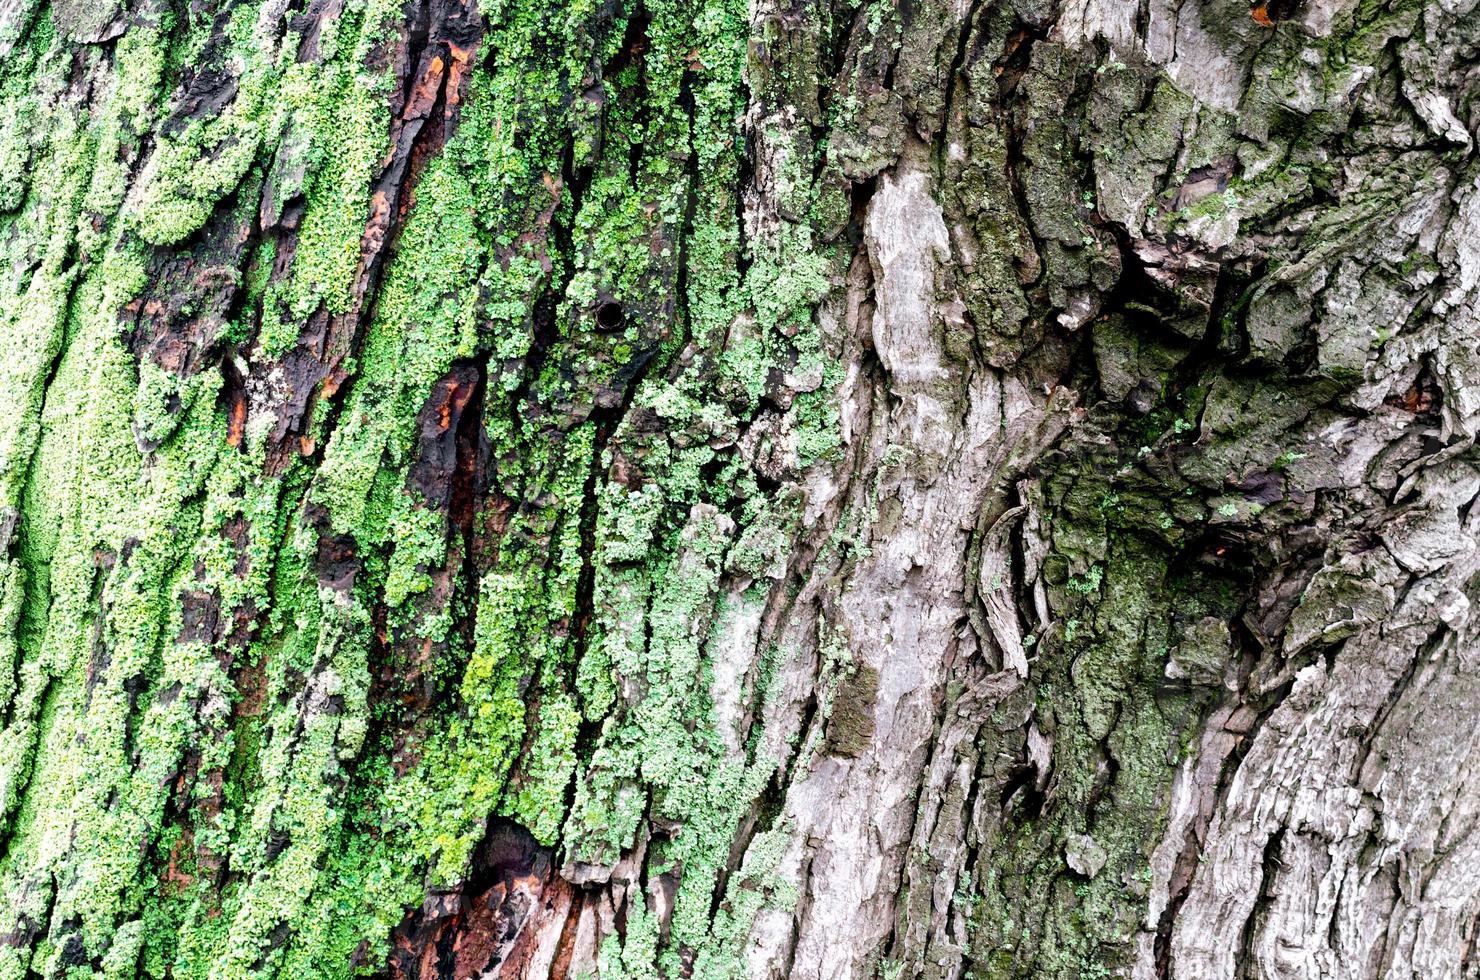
702	488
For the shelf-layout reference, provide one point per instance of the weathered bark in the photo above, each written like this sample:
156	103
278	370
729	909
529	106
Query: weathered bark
707	488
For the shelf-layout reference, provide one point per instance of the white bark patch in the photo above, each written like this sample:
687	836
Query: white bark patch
902	610
734	649
996	587
1201	64
907	239
1085	20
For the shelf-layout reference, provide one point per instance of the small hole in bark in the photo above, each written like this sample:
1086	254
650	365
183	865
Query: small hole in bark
609	316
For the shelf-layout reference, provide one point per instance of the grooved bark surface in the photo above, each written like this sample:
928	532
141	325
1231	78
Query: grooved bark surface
701	488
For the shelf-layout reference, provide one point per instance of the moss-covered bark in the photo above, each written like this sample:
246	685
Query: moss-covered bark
701	488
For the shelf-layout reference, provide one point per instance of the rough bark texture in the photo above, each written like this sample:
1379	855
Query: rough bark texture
668	488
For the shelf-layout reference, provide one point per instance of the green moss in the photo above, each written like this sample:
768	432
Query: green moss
275	762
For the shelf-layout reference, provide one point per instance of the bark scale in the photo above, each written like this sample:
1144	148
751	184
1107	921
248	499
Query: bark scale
701	488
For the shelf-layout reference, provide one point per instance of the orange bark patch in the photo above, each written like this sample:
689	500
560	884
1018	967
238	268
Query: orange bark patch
237	423
1418	398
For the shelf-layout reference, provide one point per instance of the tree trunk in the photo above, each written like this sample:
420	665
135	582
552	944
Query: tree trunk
697	488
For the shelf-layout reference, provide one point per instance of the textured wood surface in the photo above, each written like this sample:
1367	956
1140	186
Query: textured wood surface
694	488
